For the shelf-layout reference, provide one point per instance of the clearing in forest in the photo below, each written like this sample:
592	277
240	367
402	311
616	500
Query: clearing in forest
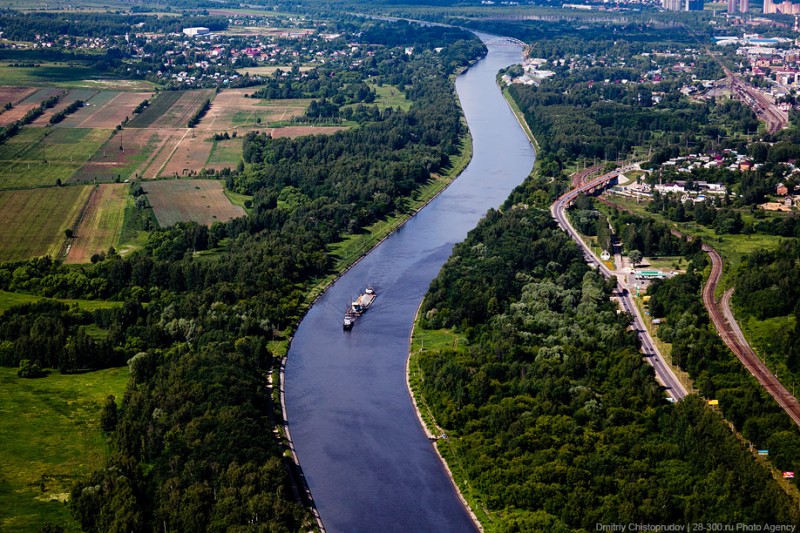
201	201
40	156
32	221
100	223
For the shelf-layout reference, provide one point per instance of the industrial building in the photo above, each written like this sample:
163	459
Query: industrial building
191	32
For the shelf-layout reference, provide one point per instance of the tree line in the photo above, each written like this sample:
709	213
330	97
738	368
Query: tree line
192	446
555	420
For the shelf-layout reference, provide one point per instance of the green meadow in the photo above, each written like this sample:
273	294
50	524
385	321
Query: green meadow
50	438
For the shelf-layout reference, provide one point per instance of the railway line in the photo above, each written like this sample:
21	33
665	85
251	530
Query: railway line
728	329
731	334
758	102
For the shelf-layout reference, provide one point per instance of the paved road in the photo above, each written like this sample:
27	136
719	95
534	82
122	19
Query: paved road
664	373
731	334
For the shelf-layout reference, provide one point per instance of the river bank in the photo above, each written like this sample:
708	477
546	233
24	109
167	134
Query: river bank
364	454
449	339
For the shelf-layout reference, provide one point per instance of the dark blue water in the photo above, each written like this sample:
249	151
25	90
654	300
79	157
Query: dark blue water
365	456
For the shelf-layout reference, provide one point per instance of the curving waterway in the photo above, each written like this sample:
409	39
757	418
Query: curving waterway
364	454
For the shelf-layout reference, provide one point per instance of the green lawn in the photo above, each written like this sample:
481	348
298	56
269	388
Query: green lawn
226	152
50	438
391	96
40	156
64	74
10	299
238	199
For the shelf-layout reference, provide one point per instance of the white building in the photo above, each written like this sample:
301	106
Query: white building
191	32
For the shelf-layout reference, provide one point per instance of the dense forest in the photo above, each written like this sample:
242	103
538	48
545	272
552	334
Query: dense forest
553	415
554	419
193	444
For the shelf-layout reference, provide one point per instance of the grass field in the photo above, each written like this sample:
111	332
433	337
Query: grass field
391	96
201	201
50	438
32	222
225	153
40	156
10	299
65	75
100	225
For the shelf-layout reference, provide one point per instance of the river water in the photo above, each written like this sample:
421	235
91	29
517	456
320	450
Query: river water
364	454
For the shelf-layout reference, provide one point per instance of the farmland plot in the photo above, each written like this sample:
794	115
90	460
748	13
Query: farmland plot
106	110
32	101
15	95
122	156
159	105
231	110
100	223
32	222
172	109
69	98
40	156
189	156
299	131
170	140
201	201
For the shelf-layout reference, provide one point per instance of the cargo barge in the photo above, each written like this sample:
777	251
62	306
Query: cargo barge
358	307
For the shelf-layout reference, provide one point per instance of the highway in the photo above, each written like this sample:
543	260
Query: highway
731	334
664	374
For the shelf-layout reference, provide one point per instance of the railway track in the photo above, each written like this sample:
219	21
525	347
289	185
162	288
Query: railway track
728	329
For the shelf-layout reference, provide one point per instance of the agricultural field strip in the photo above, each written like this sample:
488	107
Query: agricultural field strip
101	224
158	106
40	156
32	221
201	201
174	149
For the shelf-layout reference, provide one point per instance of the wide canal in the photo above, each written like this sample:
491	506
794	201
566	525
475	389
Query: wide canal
365	456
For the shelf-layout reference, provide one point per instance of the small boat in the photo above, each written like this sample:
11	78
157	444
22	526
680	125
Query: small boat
349	320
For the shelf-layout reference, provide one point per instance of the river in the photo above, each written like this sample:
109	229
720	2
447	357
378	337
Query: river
364	454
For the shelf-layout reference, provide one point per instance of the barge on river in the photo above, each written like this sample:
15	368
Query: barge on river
358	307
